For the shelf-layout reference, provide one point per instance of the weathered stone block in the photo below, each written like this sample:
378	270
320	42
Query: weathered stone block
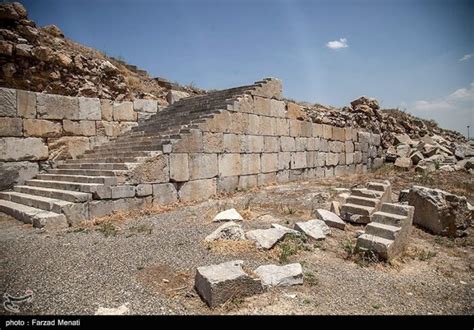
26	104
338	134
126	126
287	143
282	127
42	128
213	142
13	173
298	160
349	158
67	147
51	106
125	191
306	129
17	149
284	160
300	143
254	125
141	105
336	146
329	172
349	146
317	130
174	96
143	190
264	179
320	159
283	176
349	133
198	190
262	106
342	158
219	123
327	132
247	182
107	110
229	165
202	166
107	128
275	275
271	144
312	144
123	111
269	162
277	108
164	193
7	102
295	127
179	167
216	284
332	159
251	143
10	126
324	145
231	143
153	170
189	143
89	109
239	122
267	125
83	127
250	164
227	184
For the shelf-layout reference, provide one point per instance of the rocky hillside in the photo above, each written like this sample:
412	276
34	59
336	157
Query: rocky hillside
44	60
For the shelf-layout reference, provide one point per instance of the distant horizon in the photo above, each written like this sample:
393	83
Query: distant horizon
417	55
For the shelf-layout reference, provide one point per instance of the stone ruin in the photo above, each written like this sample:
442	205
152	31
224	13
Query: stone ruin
73	159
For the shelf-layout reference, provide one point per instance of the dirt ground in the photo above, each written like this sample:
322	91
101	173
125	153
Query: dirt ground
145	261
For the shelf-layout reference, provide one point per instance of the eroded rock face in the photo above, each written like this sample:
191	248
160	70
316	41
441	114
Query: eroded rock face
440	212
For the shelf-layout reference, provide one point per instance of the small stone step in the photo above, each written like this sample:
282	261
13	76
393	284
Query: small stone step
87	172
378	186
64	185
39	202
382	230
364	201
105	180
388	218
98	166
99	158
39	218
66	195
378	245
356	213
399	209
366	193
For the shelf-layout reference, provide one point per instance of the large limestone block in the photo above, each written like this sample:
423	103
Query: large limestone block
264	179
275	275
287	143
266	238
229	165
89	109
282	127
51	106
108	128
338	134
314	229
268	125
213	142
332	159
227	184
198	190
270	88
123	111
202	166
284	160
277	108
216	284
331	219
440	212
153	170
13	173
17	149
7	102
250	164
298	160
107	109
26	104
164	193
42	128
179	167
10	126
190	143
142	105
294	111
247	182
231	143
174	96
83	127
67	147
251	143
269	162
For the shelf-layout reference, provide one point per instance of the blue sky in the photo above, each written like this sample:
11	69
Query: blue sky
413	54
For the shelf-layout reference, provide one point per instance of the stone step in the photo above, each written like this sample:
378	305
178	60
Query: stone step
378	186
388	218
399	209
356	213
65	185
65	195
364	201
98	166
378	245
39	202
131	151
129	144
87	172
105	180
39	218
108	160
366	193
382	230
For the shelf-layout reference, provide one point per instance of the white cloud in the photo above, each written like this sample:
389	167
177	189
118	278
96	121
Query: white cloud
466	57
453	111
337	44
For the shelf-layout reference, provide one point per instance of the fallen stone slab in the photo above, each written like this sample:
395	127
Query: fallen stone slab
228	231
266	238
335	207
440	212
274	275
217	284
314	229
288	230
228	215
331	219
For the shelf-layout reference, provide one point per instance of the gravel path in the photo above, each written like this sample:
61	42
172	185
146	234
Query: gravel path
148	264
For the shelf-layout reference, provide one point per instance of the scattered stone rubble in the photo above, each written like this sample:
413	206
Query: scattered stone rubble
440	212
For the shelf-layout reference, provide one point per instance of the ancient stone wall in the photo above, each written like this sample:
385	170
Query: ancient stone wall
257	141
37	128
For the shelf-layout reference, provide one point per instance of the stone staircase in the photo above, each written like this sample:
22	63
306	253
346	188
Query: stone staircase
364	202
61	196
388	232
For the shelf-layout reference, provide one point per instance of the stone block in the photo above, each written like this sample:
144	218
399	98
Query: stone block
324	145
42	128
126	191
189	143
18	149
142	105
229	165
338	134
327	132
108	128
153	170
277	108
202	166
282	127
271	144
250	164
107	110
83	127
298	160
287	143
15	173
8	102
349	158
269	162
295	127
329	172
284	160
264	179
123	111
67	147
247	182
283	176
198	190
89	109
26	104
227	184
174	96
267	125
301	143
336	146
143	190
213	142
312	144
251	143
317	130
49	106
232	143
349	146
320	159
239	122
262	106
348	132
254	125
306	129
10	126
164	193
219	123
179	167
